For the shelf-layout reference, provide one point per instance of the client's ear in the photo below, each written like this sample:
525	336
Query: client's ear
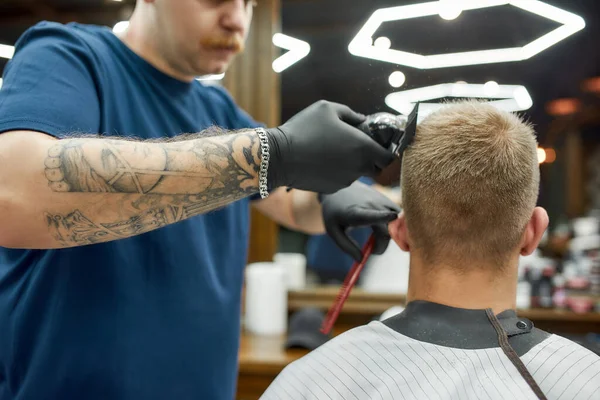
399	232
537	225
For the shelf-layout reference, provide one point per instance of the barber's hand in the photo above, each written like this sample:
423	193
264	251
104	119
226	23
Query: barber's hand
356	206
321	150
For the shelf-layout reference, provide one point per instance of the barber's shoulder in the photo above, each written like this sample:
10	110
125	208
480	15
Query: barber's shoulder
49	30
47	34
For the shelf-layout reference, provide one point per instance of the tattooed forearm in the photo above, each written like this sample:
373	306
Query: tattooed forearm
212	166
157	184
76	229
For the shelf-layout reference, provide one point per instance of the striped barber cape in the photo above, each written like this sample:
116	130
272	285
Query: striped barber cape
432	351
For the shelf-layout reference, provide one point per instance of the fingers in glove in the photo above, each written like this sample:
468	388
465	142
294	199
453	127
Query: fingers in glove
382	238
381	156
345	242
348	115
366	217
374	152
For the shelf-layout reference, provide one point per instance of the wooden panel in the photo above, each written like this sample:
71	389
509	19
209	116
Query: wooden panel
574	174
256	89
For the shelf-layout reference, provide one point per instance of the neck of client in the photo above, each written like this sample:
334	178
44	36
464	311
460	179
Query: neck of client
475	286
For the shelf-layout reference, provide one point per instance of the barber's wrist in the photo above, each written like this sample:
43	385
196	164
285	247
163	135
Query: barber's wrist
264	156
276	176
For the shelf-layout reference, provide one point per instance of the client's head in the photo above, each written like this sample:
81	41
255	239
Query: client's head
469	189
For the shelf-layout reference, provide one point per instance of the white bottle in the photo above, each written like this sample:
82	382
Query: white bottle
523	295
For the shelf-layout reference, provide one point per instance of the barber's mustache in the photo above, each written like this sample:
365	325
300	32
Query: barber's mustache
234	43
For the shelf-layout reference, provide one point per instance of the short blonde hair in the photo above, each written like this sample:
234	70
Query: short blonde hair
470	182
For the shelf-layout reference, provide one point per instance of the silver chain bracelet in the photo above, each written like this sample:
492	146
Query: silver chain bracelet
264	163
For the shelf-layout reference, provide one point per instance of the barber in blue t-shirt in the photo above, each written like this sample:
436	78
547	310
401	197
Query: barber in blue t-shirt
122	260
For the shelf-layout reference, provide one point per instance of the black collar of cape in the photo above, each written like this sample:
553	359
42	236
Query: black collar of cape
462	328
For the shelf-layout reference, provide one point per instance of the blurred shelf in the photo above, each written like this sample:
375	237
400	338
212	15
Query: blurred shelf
558	315
265	354
365	303
359	301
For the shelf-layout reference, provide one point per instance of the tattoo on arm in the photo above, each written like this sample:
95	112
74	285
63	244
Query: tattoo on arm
163	183
75	229
205	166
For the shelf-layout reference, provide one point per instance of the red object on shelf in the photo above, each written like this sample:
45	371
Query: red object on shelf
580	305
578	283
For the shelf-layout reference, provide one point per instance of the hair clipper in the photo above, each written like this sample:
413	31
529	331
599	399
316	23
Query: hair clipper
394	132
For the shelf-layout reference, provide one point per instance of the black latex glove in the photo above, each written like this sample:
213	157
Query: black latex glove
321	150
355	206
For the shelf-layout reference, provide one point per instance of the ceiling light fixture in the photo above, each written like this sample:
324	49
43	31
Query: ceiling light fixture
491	88
511	97
397	79
7	51
383	42
450	9
450	13
359	46
298	49
541	153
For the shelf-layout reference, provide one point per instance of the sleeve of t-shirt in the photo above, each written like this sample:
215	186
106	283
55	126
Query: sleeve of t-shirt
48	85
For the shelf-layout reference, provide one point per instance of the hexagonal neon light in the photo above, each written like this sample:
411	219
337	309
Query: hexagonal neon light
507	97
361	45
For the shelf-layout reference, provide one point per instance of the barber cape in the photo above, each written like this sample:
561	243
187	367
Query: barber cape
431	351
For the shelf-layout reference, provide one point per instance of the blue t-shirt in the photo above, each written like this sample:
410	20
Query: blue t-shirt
155	316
